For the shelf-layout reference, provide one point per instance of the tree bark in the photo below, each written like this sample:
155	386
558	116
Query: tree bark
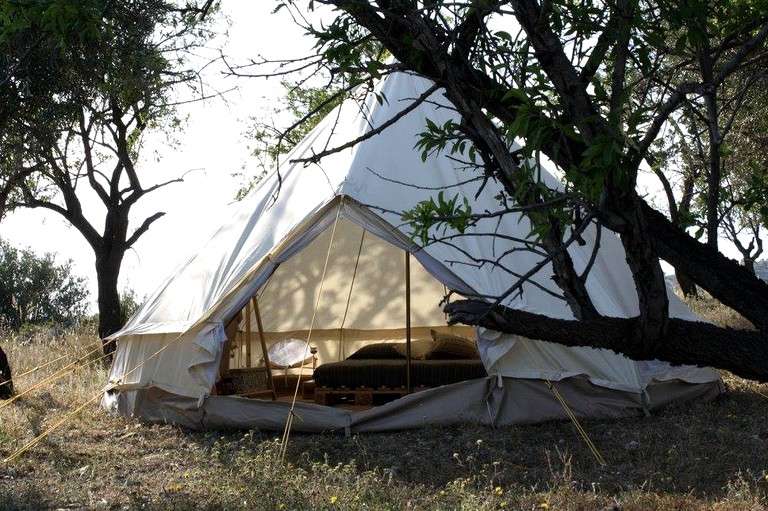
686	342
687	286
648	278
110	317
420	48
6	379
725	279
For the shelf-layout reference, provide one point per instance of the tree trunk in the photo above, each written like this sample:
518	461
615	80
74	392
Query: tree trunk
648	278
110	317
6	380
725	279
686	342
687	286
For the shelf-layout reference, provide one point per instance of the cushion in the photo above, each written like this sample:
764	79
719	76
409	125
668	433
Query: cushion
420	348
379	351
451	347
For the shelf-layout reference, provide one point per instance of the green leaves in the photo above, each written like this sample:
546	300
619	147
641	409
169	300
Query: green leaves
34	289
438	214
602	166
437	138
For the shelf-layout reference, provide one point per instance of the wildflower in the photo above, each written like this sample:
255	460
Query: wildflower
543	505
186	475
281	506
333	499
498	491
502	505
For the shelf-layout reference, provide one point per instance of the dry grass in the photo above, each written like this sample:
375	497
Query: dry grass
689	457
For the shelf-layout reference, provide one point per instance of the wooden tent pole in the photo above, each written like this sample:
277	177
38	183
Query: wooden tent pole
409	384
260	326
248	334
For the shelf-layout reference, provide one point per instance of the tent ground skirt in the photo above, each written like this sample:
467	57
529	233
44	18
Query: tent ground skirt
481	401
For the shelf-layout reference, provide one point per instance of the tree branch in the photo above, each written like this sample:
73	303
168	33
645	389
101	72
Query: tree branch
686	342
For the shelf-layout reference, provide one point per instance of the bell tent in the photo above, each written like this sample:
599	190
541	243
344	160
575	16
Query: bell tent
316	269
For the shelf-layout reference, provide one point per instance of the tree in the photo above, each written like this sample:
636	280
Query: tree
92	78
582	84
34	289
714	189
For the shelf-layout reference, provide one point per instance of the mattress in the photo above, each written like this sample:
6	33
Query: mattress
375	373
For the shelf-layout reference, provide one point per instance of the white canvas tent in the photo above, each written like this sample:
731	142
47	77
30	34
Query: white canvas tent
321	247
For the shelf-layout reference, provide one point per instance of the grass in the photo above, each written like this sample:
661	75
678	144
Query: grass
688	457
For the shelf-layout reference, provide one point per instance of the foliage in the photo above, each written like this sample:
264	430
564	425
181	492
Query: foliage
713	164
84	83
36	290
587	88
129	304
306	103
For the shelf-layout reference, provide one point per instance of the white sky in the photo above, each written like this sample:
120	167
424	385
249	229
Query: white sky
212	149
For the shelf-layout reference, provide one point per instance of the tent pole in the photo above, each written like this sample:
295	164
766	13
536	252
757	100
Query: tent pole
260	326
409	384
248	334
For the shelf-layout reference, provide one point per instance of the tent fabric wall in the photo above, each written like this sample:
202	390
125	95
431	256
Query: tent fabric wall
293	209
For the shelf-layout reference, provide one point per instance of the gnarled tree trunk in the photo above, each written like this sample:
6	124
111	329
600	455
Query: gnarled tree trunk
110	317
725	279
686	342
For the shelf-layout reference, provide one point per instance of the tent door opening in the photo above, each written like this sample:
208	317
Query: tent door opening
347	297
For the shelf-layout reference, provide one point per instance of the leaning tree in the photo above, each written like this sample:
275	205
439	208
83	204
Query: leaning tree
587	85
82	85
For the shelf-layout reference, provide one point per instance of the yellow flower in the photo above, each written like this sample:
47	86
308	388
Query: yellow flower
543	505
186	475
281	506
334	499
502	505
498	491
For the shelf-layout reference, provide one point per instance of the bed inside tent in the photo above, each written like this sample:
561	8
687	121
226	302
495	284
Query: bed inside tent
349	320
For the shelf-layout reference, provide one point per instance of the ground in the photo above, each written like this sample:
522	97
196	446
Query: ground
693	456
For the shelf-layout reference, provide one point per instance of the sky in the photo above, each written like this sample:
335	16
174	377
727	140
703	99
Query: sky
212	149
